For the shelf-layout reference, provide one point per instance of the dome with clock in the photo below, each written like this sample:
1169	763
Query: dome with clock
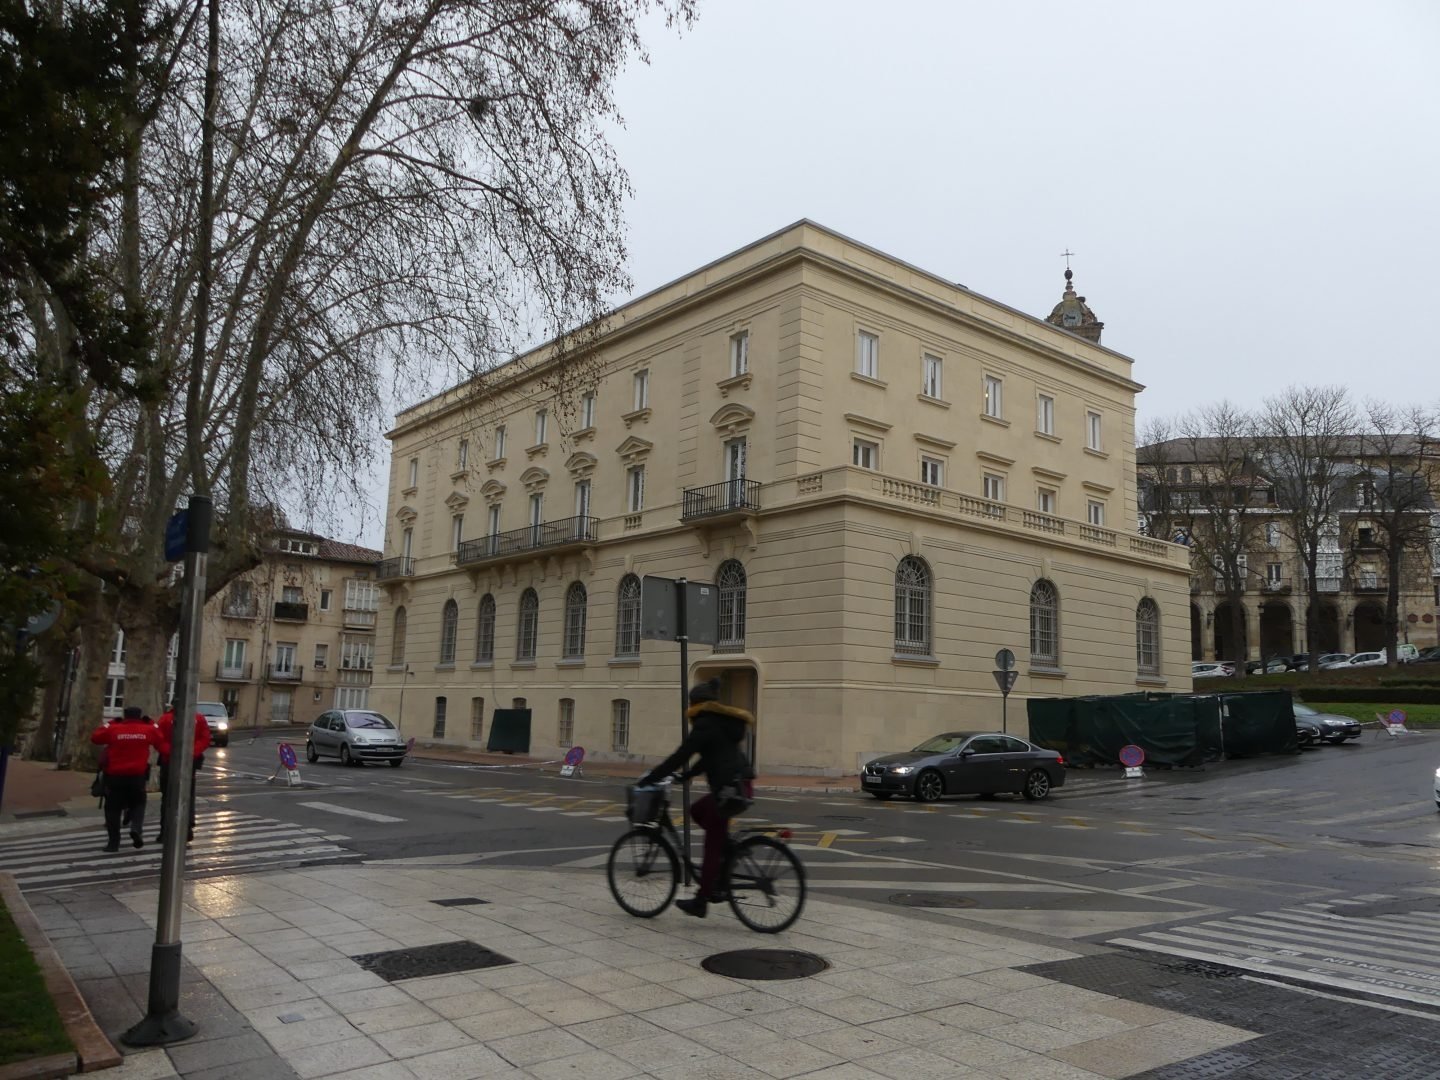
1073	314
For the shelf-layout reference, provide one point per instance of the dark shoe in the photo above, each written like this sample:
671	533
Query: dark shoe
113	845
137	839
694	906
190	839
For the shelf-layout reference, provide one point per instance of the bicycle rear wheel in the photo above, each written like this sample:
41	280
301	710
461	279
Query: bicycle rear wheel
644	872
766	884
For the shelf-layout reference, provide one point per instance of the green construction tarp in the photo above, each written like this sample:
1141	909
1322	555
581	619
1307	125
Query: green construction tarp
1172	729
510	731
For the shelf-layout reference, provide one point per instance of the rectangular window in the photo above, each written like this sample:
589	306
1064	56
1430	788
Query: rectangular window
322	655
994	397
1045	414
587	410
932	471
565	727
1274	572
635	489
414	472
500	441
477	718
735	453
234	654
114	694
292	594
230	698
1092	431
361	595
282	706
493	524
438	731
1045	501
357	653
620	725
117	648
930	384
325	595
582	499
462	455
865	454
1095	513
542	423
642	388
994	485
285	657
740	353
407	542
867	354
457	531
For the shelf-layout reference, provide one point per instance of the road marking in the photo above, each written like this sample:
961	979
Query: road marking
365	814
826	840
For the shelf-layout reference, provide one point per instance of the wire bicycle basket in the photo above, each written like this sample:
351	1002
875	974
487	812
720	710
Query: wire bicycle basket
644	805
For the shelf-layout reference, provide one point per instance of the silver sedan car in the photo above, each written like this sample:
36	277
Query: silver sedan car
355	736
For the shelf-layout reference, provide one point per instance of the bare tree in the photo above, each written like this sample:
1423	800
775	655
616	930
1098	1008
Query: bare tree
403	195
1301	437
1158	462
1399	468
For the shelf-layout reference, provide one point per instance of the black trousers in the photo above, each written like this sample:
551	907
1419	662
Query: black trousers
165	794
124	793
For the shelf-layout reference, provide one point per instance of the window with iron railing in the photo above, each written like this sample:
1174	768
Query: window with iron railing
1044	625
575	604
730	584
627	617
913	605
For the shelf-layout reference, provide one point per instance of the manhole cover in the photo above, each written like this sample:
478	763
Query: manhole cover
443	959
460	901
1202	969
765	964
932	899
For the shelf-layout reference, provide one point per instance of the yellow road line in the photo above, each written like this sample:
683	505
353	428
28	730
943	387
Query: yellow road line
827	840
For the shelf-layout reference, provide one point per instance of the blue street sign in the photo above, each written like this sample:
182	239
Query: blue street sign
287	755
177	531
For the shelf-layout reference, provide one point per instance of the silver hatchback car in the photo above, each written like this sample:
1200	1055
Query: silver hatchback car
355	736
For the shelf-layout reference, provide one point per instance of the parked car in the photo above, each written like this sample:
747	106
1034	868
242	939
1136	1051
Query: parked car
964	763
1273	666
1297	662
355	736
1312	726
1332	658
1359	660
1206	670
1437	789
217	719
1428	656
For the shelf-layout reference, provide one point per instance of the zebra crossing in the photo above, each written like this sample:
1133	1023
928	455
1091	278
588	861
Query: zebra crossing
226	841
1377	944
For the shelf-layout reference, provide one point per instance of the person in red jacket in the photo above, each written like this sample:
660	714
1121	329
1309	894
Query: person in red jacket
166	728
128	740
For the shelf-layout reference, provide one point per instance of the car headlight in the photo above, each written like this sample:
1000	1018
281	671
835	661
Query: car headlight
221	725
902	770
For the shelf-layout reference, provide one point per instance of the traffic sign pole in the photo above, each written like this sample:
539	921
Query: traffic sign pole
682	619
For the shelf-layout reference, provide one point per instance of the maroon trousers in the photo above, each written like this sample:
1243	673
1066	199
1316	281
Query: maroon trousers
707	815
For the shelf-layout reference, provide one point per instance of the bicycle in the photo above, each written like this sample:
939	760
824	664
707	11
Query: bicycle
762	879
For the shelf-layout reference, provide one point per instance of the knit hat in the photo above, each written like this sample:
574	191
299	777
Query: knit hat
705	691
133	712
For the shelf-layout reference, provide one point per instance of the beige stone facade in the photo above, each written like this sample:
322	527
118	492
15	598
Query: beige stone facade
296	635
887	476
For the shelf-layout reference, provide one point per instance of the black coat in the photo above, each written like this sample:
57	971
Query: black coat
717	735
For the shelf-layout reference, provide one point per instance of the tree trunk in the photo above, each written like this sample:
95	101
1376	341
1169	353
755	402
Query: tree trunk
1238	644
1394	556
96	632
147	637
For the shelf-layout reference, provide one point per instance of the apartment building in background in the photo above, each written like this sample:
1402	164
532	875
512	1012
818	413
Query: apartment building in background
885	476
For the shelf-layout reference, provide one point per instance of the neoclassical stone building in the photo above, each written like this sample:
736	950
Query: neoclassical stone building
887	477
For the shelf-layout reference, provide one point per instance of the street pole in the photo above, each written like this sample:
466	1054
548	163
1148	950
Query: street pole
683	621
163	1022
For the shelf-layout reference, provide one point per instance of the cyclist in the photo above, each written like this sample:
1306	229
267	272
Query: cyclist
717	735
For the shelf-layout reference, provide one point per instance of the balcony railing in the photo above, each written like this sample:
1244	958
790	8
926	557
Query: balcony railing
354	677
359	618
281	673
233	672
1367	582
400	566
289	611
240	609
1276	585
738	496
549	534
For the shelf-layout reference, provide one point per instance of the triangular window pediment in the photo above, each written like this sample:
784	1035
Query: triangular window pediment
457	501
634	448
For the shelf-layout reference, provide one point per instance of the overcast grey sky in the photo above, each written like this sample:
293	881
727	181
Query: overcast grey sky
1250	188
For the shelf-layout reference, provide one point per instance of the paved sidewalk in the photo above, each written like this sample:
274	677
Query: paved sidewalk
592	993
38	789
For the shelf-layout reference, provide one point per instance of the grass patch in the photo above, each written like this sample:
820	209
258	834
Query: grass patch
1424	716
29	1024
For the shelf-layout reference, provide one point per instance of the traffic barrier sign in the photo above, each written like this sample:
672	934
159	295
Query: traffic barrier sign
1132	757
573	759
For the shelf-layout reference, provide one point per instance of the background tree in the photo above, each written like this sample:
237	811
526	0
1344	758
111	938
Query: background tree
1301	436
403	195
1400	466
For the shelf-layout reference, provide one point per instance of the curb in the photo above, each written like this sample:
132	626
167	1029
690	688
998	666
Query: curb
92	1049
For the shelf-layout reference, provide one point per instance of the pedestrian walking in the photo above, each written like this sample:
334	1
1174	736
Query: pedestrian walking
166	728
127	764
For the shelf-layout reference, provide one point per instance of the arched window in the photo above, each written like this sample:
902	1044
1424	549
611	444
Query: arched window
1171	476
912	607
1147	637
575	621
1186	475
485	631
397	638
529	627
730	583
627	617
1044	625
449	625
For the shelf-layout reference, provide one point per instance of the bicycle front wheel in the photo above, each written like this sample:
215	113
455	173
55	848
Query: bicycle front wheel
644	873
766	884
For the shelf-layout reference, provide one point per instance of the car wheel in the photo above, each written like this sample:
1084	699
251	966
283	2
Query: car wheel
882	795
396	762
345	756
929	786
310	753
1037	784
